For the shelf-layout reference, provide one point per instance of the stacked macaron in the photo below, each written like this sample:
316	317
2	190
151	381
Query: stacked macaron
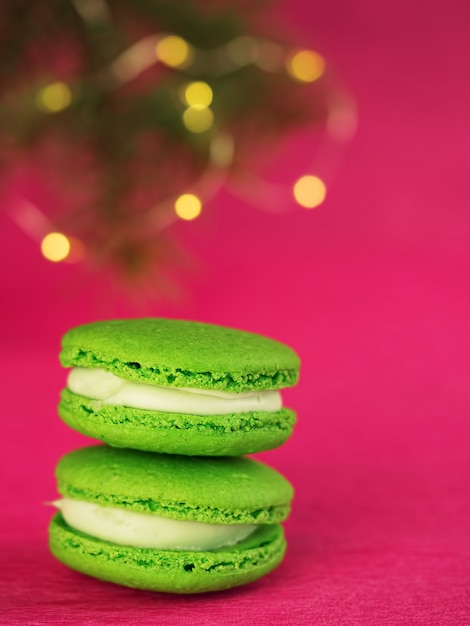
169	504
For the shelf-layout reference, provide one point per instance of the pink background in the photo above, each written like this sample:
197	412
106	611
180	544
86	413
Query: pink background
371	289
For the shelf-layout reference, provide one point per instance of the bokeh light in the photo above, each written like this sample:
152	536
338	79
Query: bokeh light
305	66
188	206
198	120
198	95
55	247
174	51
54	97
309	191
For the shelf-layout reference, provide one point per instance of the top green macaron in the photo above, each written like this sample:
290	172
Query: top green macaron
181	353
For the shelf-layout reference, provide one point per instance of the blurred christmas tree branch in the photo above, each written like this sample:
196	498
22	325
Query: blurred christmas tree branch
136	113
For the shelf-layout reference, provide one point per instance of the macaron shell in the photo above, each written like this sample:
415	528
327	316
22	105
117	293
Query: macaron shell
177	433
180	353
169	570
214	490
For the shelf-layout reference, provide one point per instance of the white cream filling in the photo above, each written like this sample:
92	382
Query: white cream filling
97	384
145	530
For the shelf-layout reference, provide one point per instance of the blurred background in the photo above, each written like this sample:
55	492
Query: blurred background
295	169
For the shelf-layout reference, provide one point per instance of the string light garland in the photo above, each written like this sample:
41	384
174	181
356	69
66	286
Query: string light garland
198	105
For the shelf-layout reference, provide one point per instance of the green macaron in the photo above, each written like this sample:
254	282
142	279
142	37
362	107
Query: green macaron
212	494
191	360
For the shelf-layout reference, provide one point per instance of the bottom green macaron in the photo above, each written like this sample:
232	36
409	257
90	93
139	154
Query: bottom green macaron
171	571
167	522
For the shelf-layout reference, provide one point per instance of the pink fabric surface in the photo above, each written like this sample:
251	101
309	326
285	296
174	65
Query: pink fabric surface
371	289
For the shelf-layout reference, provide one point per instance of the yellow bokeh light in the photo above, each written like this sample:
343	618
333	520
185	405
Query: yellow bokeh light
54	97
309	191
306	66
188	206
198	95
198	120
174	51
55	247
